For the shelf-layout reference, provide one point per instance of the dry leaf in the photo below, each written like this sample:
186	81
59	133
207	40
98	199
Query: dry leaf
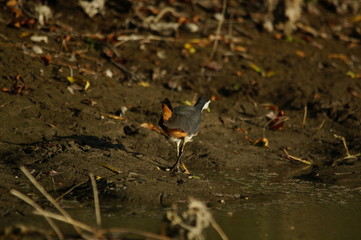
213	65
143	84
36	38
151	127
341	57
240	49
47	59
263	142
85	84
353	92
300	53
277	120
353	75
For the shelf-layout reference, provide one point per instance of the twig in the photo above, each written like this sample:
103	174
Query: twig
304	117
218	229
61	63
96	200
136	37
47	195
308	162
348	155
69	191
66	218
219	28
39	209
70	220
320	126
111	168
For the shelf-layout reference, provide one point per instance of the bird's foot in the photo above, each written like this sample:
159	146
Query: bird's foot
179	168
185	169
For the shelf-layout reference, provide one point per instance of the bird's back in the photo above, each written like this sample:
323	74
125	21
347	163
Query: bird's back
185	118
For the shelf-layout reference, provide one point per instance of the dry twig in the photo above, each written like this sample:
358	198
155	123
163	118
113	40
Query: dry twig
305	161
39	209
92	233
48	197
347	155
96	200
219	28
304	117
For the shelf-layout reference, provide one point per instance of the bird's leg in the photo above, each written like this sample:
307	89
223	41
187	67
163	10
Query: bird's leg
179	166
178	147
183	166
176	166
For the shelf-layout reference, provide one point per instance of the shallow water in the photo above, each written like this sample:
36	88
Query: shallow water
268	209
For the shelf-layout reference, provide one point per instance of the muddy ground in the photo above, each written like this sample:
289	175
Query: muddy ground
61	132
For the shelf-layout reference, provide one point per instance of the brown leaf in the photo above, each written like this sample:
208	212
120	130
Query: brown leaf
300	53
151	127
353	92
263	142
47	59
213	65
11	3
278	122
341	57
4	90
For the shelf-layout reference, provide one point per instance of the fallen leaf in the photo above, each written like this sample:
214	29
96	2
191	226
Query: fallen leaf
89	102
85	84
241	130
38	50
47	59
201	42
353	92
340	56
300	53
239	73
151	127
92	8
270	74
256	68
277	36
213	65
11	3
189	47
263	142
356	18
36	38
24	34
19	87
270	106
144	84
240	48
277	120
4	90
353	75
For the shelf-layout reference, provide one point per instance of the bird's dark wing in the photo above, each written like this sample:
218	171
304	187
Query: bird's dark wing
185	118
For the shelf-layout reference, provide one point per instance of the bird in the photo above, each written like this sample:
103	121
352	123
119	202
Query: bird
181	124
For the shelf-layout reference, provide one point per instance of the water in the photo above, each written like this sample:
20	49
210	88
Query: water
268	209
312	221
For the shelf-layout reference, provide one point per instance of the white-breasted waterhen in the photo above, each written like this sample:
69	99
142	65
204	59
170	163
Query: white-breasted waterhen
181	124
